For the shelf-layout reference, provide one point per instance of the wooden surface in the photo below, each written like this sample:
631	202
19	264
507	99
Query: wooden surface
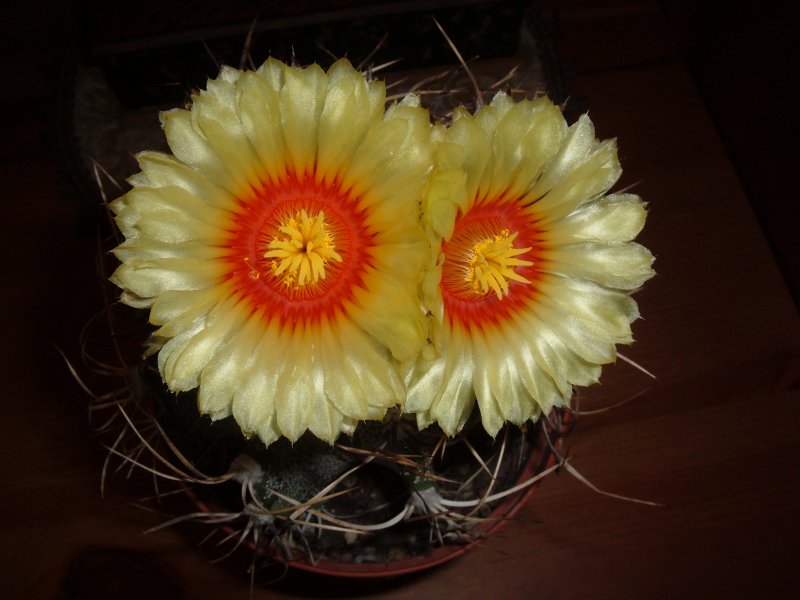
716	439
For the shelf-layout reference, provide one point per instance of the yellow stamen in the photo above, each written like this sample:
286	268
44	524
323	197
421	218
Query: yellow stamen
301	249
492	264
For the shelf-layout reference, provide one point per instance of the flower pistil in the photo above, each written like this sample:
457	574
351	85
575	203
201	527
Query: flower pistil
301	249
492	264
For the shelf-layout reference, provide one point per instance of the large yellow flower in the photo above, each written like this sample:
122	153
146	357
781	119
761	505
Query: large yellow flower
279	246
529	293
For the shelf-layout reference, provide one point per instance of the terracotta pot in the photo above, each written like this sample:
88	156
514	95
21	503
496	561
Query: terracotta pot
540	456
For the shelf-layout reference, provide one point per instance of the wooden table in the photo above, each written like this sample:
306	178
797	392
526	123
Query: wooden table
716	439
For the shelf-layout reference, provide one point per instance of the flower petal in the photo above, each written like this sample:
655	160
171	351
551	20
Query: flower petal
149	278
182	359
191	147
586	182
301	102
253	404
623	266
259	111
613	218
162	171
222	376
352	106
215	114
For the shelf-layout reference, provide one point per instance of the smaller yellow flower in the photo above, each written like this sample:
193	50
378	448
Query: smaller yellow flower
528	288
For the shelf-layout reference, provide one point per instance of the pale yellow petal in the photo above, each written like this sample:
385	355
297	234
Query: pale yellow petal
574	334
392	163
173	304
586	182
454	398
426	382
174	346
181	368
624	266
445	193
392	316
606	313
273	72
469	148
259	111
149	249
562	366
577	146
525	139
215	114
404	259
224	373
149	278
156	214
376	374
539	384
491	114
484	380
515	403
294	394
352	106
165	171
325	421
254	398
301	103
191	147
613	218
268	432
349	399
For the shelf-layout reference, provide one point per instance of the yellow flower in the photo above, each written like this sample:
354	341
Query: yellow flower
279	245
529	293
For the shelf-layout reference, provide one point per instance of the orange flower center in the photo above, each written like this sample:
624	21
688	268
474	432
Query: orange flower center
298	249
490	265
